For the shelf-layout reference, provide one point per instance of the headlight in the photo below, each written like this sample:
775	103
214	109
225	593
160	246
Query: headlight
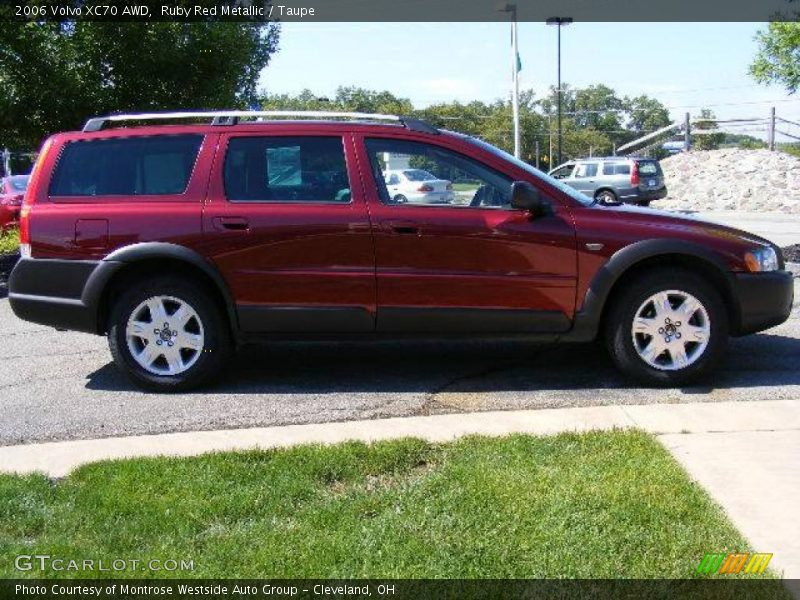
763	259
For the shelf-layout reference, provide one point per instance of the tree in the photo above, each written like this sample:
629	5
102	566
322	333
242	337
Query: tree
645	114
54	76
709	141
778	57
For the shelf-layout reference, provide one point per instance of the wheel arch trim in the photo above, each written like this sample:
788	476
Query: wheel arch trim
589	315
97	284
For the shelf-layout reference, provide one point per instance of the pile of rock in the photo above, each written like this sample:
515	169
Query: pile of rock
732	179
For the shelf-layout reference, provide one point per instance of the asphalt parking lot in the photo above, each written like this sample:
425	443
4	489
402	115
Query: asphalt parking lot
58	386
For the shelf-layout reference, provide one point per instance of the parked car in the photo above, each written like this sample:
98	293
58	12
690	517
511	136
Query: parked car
12	189
613	179
418	186
180	242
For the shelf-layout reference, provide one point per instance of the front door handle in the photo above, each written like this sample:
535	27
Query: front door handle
401	227
230	223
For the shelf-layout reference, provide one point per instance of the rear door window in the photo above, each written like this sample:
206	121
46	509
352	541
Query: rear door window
136	166
286	169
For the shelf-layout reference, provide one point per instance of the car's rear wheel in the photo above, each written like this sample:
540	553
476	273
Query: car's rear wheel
400	199
168	335
606	197
668	328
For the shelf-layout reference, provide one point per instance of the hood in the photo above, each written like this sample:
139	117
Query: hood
687	222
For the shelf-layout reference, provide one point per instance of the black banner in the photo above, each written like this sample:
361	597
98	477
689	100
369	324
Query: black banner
262	589
398	10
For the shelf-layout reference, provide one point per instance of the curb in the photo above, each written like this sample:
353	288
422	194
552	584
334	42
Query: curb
57	459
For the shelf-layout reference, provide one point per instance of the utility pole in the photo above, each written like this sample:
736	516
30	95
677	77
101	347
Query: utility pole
687	134
559	22
537	153
6	162
771	133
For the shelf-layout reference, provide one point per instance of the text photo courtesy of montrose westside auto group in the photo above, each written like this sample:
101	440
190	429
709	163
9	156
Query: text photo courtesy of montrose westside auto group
347	300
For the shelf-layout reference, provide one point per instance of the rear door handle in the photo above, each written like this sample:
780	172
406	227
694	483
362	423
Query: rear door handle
401	227
230	223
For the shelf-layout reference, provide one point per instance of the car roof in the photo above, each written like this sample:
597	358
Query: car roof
299	125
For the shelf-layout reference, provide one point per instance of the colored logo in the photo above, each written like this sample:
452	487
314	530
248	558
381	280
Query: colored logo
734	563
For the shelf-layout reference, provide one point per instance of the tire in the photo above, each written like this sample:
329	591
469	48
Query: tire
133	327
400	199
645	203
703	336
606	197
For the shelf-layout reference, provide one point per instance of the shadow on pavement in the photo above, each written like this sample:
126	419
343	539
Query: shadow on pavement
408	366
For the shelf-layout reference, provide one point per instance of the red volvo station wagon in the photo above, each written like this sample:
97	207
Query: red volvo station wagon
180	241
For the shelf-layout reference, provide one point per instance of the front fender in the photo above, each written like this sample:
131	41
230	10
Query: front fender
588	316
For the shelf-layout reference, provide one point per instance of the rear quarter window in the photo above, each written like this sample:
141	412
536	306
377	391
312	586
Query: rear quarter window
616	169
136	166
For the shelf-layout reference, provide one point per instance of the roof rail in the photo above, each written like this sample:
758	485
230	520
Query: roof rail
231	117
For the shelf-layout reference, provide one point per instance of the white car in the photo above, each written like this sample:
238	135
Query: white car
418	186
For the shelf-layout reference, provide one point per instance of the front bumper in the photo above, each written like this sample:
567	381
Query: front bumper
63	294
764	299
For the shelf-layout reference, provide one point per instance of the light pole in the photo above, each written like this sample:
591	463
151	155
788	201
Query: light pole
559	22
512	8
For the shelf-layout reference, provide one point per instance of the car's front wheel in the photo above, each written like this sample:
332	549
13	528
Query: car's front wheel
168	335
667	328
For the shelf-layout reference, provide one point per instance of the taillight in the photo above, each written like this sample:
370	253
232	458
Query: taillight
635	173
28	200
25	231
425	188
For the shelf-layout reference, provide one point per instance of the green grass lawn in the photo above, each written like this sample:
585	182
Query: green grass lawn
611	504
9	240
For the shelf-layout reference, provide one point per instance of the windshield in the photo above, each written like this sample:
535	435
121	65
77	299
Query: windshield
18	182
418	175
572	193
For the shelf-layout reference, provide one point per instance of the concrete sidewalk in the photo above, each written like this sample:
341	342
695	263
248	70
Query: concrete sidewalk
746	454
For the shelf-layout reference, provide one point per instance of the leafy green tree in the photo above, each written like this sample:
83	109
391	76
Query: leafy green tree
645	114
778	57
54	76
598	107
710	141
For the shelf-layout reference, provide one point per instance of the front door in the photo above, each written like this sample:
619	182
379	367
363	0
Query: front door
468	265
290	233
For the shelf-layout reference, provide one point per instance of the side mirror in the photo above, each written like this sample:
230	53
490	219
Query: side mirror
526	197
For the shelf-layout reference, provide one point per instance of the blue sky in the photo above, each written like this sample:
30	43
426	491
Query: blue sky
684	65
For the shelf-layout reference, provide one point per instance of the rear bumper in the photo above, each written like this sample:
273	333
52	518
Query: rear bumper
59	293
765	300
634	195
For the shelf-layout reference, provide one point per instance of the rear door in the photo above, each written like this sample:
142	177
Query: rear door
290	233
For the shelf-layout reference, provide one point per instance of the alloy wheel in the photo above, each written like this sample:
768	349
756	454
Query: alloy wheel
671	330
165	335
